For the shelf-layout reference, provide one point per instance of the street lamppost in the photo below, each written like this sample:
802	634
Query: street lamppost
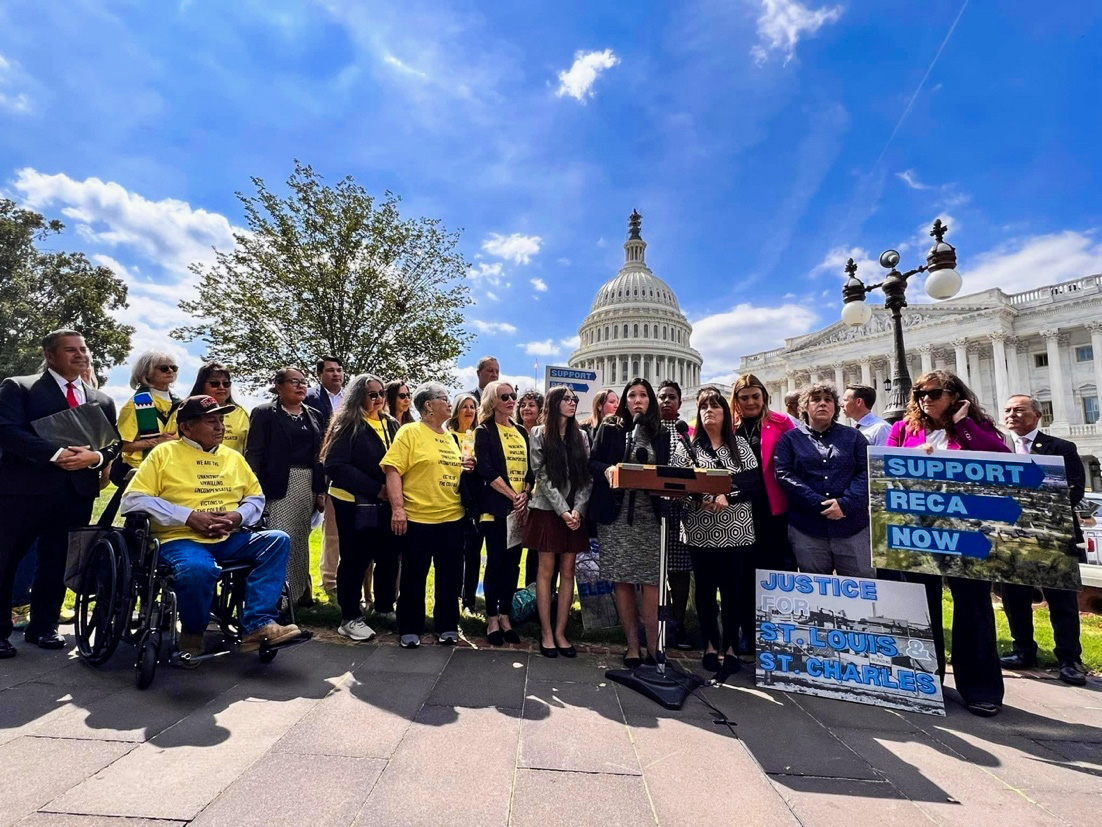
943	283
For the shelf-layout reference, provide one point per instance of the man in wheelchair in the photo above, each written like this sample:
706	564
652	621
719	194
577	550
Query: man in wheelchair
202	498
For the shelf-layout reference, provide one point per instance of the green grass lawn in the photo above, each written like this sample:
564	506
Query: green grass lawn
328	615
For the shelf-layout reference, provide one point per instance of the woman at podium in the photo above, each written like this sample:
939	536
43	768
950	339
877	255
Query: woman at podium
628	523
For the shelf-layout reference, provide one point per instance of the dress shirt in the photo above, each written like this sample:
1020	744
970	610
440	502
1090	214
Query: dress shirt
82	397
163	512
335	399
874	429
831	465
1024	444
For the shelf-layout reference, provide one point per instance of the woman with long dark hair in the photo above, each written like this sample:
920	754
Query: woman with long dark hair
719	531
358	437
213	379
944	415
628	524
399	402
501	459
560	463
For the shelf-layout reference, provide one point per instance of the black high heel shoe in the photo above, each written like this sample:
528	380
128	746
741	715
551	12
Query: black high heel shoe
549	651
567	651
511	636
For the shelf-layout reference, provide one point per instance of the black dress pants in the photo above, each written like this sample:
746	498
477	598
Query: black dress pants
384	578
472	566
502	568
722	569
358	549
47	517
976	670
1063	609
439	545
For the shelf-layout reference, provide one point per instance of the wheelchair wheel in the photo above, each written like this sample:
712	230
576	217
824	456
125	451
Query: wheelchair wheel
103	600
149	652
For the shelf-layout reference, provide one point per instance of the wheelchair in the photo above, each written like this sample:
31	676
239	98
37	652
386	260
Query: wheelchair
125	594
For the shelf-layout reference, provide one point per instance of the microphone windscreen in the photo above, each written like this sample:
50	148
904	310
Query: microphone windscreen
638	420
682	427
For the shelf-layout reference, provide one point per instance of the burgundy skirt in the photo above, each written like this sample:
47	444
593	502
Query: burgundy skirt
547	532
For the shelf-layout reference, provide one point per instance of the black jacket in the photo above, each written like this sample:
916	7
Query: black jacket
490	464
1047	445
268	449
608	449
318	399
25	467
352	462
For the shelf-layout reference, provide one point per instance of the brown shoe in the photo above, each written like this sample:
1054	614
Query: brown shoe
273	633
190	644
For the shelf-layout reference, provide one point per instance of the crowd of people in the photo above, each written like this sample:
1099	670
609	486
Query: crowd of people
403	481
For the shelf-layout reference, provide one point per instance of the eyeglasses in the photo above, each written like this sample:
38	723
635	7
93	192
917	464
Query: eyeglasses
506	397
573	400
168	368
934	393
218	383
376	394
403	396
295	383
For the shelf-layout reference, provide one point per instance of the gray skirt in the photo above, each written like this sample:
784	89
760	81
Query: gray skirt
629	553
292	513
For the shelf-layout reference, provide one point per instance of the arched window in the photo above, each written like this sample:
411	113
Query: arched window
615	330
606	332
635	331
598	334
664	336
625	331
635	368
646	331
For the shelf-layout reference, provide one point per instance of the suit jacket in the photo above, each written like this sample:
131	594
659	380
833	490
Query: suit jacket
608	449
318	399
490	464
268	449
476	392
25	467
352	463
1052	446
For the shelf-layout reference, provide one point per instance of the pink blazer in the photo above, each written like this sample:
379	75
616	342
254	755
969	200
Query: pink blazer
974	436
773	427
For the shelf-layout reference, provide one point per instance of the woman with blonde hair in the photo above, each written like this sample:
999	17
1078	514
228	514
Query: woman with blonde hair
604	404
461	424
143	420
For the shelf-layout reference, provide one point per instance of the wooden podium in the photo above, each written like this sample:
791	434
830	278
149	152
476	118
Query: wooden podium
669	688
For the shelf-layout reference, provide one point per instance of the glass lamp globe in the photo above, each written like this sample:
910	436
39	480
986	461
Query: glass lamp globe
856	314
943	284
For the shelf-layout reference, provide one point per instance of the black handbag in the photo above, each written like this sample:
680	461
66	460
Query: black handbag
371	515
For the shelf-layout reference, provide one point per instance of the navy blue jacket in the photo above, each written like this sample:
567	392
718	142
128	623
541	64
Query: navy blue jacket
812	468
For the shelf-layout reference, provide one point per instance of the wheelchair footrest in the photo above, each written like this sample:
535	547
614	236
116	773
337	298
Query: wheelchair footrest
304	636
186	659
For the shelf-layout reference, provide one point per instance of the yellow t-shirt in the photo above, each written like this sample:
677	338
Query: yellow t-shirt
379	427
430	465
128	425
186	476
237	428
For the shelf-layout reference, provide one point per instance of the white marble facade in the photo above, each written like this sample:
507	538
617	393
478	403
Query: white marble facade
1045	342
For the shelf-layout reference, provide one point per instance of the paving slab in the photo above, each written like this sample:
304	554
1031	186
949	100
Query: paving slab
366	718
454	767
32	663
831	713
282	789
1025	764
543	797
582	669
1074	808
577	727
35	770
70	820
478	678
193	761
832	801
425	659
31	705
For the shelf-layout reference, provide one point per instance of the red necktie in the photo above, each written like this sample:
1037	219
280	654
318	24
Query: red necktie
71	395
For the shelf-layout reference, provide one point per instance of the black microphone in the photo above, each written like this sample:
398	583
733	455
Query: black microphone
682	428
633	437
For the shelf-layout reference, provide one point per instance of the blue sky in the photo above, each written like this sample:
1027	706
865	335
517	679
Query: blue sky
763	141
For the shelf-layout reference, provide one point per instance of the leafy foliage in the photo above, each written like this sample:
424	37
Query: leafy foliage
42	291
332	270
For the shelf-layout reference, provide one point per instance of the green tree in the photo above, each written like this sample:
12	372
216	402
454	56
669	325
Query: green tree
42	291
332	270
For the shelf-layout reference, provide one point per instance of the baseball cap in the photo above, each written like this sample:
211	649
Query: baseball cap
196	406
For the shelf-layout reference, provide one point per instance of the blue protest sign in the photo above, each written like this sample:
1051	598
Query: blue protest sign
960	543
968	506
954	467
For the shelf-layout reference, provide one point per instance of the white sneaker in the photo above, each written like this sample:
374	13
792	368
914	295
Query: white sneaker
356	630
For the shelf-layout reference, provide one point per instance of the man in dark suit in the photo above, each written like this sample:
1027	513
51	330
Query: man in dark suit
45	489
1022	415
487	371
325	399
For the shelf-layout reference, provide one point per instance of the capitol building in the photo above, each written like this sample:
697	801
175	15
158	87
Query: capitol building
635	327
1045	342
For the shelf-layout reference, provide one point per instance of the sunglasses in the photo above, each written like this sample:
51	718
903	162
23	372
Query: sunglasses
376	394
168	368
934	393
403	396
218	383
506	397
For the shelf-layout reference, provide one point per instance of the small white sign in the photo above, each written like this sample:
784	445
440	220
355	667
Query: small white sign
585	383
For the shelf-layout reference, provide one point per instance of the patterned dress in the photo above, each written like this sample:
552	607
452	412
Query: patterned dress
677	555
732	527
629	553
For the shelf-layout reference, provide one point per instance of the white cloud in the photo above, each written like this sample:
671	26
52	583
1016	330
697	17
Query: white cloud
516	247
782	23
571	342
578	80
13	101
169	233
723	338
834	262
565	262
486	273
545	348
492	327
1027	263
492	296
909	178
539	284
601	242
391	60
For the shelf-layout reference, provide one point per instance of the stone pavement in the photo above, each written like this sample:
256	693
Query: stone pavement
337	734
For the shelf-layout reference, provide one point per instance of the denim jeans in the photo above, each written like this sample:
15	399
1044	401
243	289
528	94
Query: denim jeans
197	571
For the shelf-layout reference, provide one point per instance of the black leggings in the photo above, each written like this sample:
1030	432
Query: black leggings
441	545
358	549
502	568
719	568
471	566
